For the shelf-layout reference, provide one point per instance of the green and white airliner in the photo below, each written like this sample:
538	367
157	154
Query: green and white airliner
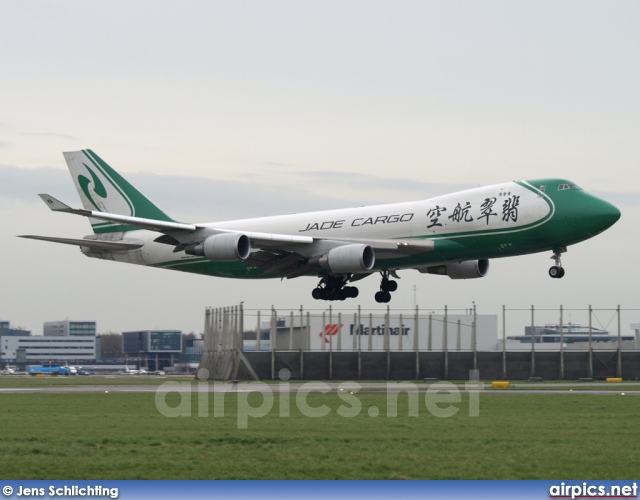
454	235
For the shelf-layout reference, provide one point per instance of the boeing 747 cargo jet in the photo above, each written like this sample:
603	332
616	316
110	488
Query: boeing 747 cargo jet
453	235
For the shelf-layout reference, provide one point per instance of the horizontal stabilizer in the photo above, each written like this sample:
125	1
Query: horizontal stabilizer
55	204
111	246
140	223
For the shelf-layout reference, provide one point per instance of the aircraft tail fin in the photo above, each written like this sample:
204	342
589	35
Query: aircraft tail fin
101	188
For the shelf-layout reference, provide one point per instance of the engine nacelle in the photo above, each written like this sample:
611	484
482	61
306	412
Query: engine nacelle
222	247
463	270
349	259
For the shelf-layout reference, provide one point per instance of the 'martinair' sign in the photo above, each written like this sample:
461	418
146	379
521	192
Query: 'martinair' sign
343	333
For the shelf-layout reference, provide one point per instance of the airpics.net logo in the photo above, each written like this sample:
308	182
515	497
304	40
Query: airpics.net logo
587	490
257	399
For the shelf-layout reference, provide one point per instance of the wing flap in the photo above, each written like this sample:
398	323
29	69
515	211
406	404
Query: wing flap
275	262
393	248
273	240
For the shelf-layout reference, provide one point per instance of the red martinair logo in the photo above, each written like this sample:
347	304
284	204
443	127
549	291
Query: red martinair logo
330	330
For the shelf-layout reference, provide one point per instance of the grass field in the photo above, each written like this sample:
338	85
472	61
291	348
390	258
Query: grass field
124	436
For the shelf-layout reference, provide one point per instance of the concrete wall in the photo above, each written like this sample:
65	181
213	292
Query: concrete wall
408	365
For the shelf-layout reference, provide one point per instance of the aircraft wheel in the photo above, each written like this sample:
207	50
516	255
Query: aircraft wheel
339	294
316	293
554	271
351	292
388	285
380	296
387	297
561	274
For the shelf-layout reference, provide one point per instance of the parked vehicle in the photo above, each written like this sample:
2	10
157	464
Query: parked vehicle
52	370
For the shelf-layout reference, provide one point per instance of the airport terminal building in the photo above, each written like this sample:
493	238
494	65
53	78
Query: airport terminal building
154	349
43	349
63	341
69	328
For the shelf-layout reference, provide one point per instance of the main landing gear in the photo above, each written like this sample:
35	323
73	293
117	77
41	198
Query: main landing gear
386	287
556	271
333	288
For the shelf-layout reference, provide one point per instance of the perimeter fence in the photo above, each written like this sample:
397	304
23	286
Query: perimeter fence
444	344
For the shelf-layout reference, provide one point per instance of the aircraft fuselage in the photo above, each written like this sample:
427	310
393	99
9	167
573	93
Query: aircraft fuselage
501	220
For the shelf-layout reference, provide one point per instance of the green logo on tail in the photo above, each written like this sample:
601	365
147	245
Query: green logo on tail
98	187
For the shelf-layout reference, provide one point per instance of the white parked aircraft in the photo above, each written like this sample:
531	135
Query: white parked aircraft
135	371
453	235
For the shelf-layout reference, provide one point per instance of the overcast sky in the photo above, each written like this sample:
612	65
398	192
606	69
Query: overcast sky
236	109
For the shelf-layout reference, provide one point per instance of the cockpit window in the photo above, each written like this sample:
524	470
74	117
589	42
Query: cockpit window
564	187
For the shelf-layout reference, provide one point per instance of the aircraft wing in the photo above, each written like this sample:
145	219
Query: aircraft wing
277	252
392	248
174	229
262	240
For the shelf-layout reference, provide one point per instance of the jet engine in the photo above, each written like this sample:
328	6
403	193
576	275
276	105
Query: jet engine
222	247
348	259
462	270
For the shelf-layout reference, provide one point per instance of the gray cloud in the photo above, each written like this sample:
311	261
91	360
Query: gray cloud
357	181
25	183
192	198
275	164
51	135
626	199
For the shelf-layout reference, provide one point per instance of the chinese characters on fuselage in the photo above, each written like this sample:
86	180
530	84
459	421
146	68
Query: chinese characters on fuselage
462	213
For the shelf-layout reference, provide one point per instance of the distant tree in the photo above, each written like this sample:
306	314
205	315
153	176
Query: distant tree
111	345
187	338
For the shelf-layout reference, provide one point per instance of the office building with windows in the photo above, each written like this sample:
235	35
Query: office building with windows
68	328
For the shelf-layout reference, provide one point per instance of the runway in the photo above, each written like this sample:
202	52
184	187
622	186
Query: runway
522	388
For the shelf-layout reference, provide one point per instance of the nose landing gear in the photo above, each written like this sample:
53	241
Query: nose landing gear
556	271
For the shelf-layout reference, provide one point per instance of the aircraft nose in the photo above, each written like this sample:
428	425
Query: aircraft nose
602	214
